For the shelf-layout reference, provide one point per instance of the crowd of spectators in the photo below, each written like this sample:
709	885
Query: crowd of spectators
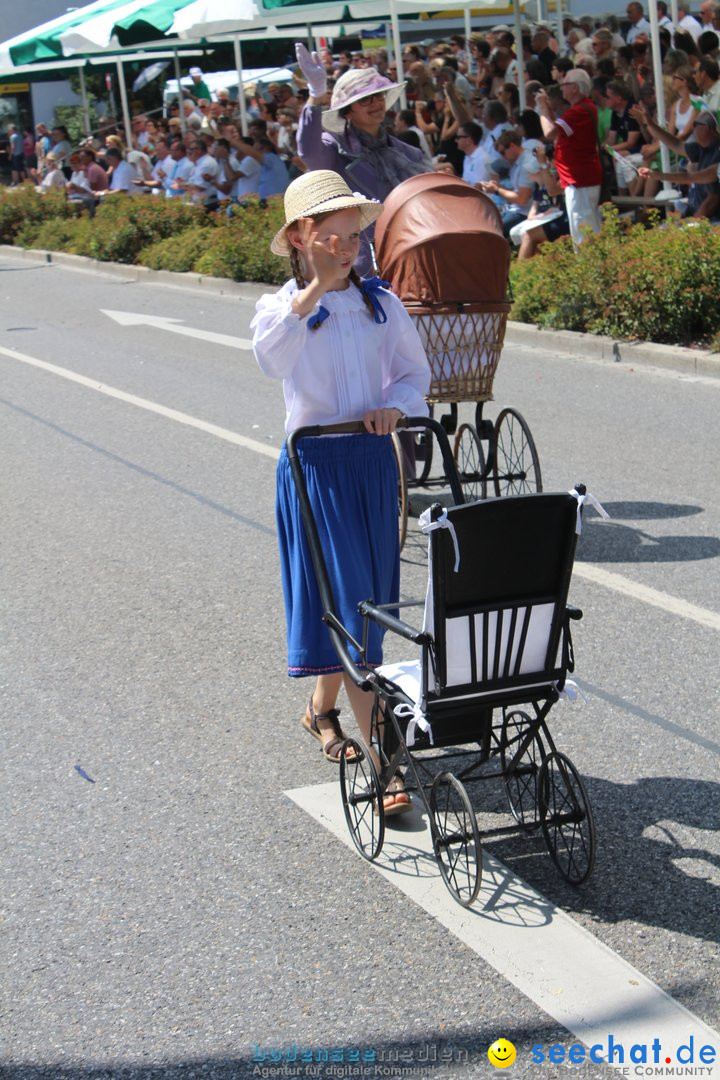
590	120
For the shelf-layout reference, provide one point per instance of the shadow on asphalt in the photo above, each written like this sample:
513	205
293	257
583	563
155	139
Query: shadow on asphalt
652	868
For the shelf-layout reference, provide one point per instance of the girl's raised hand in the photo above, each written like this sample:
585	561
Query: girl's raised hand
323	256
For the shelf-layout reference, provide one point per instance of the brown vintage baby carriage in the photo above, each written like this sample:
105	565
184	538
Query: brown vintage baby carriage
440	244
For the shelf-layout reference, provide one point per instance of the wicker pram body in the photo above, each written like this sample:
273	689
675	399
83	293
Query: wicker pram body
440	244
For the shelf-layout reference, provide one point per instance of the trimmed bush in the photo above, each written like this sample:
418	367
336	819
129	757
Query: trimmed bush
24	205
181	252
660	284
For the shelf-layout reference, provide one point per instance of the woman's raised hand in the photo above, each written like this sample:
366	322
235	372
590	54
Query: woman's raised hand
313	70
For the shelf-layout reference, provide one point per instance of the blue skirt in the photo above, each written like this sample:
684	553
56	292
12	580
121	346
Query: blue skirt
352	487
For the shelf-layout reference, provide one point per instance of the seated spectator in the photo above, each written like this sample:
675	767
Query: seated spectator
708	44
273	178
476	163
510	97
162	159
200	185
175	170
495	122
405	122
121	175
703	153
530	129
94	173
707	76
54	176
624	137
560	68
516	194
141	163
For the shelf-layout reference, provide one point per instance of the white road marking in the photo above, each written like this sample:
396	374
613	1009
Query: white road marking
672	604
547	955
617	582
175	326
143	403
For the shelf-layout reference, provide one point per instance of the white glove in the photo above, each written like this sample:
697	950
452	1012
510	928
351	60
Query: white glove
312	69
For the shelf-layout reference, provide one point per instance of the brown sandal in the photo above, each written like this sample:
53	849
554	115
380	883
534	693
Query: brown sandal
396	799
331	746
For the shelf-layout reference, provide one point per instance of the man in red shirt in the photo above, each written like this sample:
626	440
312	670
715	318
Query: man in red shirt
577	157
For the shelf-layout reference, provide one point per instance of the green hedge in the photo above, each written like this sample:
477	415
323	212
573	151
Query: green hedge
660	284
165	234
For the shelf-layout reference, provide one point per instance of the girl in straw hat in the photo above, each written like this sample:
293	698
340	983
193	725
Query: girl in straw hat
350	137
345	349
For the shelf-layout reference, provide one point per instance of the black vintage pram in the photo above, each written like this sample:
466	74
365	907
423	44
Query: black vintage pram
439	242
490	660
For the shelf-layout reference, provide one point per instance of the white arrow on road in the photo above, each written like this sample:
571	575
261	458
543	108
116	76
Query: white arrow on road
175	326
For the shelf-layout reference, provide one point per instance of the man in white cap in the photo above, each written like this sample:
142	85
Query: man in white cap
350	137
577	155
200	88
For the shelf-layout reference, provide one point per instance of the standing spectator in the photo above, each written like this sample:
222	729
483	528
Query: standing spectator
688	23
664	20
60	144
577	158
17	155
29	151
638	22
200	90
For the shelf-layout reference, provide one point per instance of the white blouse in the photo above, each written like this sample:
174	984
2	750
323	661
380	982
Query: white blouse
346	367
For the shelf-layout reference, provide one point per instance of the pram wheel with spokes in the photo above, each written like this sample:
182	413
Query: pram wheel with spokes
566	818
470	460
456	838
521	755
516	466
362	799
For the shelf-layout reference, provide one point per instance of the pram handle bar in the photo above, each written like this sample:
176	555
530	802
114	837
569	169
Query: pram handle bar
355	427
403	629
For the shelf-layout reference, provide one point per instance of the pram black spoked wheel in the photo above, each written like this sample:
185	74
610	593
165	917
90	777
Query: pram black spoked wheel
402	488
362	799
521	780
566	818
516	464
470	461
456	838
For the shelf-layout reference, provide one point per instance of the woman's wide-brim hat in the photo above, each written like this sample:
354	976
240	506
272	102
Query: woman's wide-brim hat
321	191
354	85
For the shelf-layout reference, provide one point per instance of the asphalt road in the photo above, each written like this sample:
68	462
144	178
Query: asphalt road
167	910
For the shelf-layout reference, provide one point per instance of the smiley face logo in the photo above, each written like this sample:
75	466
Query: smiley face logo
501	1054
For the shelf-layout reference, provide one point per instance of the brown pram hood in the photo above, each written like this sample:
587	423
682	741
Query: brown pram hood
440	241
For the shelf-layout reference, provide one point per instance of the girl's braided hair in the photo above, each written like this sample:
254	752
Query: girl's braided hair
299	274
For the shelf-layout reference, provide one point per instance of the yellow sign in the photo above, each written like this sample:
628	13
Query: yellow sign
14	88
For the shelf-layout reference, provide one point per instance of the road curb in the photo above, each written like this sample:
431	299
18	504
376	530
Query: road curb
563	342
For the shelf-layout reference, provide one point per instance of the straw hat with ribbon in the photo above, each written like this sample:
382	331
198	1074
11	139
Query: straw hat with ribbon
354	85
321	191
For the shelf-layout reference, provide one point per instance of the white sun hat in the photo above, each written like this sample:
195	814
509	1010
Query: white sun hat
321	191
354	85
